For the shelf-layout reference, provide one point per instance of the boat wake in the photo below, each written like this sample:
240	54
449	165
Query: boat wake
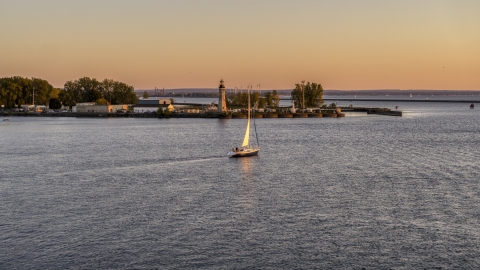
190	160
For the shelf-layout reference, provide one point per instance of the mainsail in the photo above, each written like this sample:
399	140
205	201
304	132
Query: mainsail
247	132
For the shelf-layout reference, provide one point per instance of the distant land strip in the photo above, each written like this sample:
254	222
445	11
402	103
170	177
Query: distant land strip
391	92
401	100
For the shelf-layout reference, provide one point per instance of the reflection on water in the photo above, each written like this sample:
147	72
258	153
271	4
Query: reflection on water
246	165
247	193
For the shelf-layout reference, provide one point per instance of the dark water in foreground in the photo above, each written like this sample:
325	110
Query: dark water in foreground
362	191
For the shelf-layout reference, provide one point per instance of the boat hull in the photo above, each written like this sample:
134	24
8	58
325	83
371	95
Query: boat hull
245	153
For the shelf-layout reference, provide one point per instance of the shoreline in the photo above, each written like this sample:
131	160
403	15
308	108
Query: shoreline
312	114
402	100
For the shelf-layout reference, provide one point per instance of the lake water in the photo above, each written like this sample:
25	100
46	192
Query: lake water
364	191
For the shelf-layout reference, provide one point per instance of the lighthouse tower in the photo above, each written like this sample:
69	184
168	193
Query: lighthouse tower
222	102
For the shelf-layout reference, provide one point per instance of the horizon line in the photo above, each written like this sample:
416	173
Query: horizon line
289	89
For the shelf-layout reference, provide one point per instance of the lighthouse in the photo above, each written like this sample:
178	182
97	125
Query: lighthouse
222	102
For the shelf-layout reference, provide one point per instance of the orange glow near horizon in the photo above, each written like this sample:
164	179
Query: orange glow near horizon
343	44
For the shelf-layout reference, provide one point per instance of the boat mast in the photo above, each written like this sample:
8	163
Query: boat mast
33	95
255	124
249	104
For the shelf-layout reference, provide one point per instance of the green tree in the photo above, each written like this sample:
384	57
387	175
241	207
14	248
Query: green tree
107	89
307	95
145	94
54	104
83	90
90	90
54	93
275	99
16	91
160	112
163	112
238	99
167	113
9	92
272	99
71	94
124	94
254	98
101	101
43	91
262	102
268	99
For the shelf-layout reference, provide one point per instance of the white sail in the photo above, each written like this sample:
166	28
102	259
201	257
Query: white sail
247	132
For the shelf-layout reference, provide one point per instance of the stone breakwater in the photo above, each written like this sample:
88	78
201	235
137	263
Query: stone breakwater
318	114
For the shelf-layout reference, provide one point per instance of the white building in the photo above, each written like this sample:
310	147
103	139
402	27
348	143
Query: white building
145	108
34	108
92	107
154	101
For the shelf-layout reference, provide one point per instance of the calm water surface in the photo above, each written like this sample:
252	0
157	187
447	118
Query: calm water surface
372	192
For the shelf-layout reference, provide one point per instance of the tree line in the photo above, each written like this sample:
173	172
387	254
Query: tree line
267	100
17	91
304	95
91	90
307	95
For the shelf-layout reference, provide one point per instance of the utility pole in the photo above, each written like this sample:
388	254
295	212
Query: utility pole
303	95
33	95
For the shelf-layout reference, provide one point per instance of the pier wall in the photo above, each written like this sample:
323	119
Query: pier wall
316	114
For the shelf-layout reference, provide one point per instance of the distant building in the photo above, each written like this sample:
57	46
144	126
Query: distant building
92	107
145	108
34	108
154	101
222	101
152	105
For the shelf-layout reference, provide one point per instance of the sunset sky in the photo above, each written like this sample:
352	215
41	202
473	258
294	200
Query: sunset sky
377	44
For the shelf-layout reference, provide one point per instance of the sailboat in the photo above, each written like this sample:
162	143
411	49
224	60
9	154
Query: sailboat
246	150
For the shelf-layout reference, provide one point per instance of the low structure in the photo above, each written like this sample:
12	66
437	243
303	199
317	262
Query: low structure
152	104
145	108
154	101
34	108
92	107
